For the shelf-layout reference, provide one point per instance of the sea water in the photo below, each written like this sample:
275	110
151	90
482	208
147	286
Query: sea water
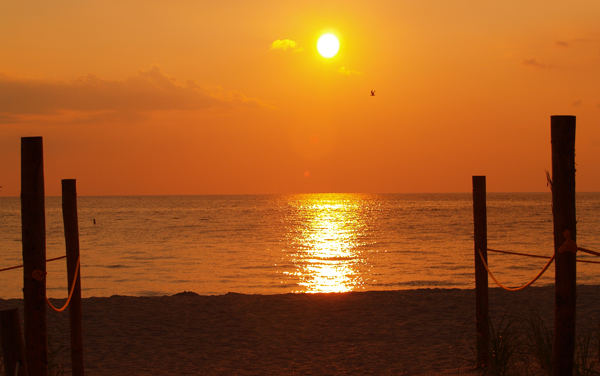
269	244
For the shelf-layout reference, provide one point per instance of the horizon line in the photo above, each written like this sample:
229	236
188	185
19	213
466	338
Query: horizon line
302	193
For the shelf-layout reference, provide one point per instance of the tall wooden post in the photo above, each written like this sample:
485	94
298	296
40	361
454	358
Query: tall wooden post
481	277
563	211
69	207
33	229
13	349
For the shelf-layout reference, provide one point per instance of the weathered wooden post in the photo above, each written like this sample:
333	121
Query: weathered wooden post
69	207
563	212
481	277
33	232
13	349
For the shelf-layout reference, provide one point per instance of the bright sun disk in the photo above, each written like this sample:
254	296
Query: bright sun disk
328	45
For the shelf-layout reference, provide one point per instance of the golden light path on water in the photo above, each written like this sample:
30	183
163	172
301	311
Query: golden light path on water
327	240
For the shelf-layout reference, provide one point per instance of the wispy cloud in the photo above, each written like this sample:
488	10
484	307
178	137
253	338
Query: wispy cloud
577	103
575	41
285	45
533	62
147	91
235	97
9	119
348	72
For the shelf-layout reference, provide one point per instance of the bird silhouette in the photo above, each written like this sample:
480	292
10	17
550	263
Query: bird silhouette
372	92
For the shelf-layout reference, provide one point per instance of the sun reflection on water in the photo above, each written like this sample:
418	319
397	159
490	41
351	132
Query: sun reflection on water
326	240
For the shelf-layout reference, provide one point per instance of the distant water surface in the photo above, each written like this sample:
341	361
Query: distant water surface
294	243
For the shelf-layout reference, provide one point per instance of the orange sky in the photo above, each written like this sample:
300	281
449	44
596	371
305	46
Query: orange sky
189	97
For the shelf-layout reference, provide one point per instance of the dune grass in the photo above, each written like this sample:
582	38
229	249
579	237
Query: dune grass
524	348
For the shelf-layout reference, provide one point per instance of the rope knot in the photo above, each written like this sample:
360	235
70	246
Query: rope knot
38	275
569	244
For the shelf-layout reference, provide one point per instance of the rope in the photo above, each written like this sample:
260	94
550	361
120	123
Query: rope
70	292
538	256
11	268
517	253
514	288
20	266
588	261
588	251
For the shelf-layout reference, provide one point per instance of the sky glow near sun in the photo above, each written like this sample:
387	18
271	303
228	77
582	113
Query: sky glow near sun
206	98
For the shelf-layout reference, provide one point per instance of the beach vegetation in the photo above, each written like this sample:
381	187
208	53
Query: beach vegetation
524	348
586	363
55	366
540	343
503	348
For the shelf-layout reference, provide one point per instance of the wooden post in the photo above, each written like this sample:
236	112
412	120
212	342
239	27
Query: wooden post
33	232
563	211
13	349
481	277
69	207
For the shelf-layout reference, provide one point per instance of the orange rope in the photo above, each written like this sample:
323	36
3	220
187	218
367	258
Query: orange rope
70	292
56	258
514	288
11	268
545	257
588	261
588	251
517	253
20	266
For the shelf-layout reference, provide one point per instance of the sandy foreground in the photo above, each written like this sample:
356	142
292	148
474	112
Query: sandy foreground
411	332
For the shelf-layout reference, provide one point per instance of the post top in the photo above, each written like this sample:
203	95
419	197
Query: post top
31	139
561	126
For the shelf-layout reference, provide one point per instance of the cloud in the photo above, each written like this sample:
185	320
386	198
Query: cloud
348	72
9	119
577	103
285	44
593	39
575	41
94	97
534	63
224	96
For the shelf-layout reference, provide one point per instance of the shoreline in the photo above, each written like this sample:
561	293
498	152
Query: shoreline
412	332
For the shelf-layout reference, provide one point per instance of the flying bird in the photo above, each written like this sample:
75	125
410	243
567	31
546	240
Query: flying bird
372	92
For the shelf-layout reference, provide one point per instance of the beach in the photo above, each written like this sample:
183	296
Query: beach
406	332
300	188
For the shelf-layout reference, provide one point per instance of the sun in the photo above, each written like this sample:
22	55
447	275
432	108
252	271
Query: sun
328	45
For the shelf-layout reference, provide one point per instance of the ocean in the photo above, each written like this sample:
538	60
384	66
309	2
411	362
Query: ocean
271	244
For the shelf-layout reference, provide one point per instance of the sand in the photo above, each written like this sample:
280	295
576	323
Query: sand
414	332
